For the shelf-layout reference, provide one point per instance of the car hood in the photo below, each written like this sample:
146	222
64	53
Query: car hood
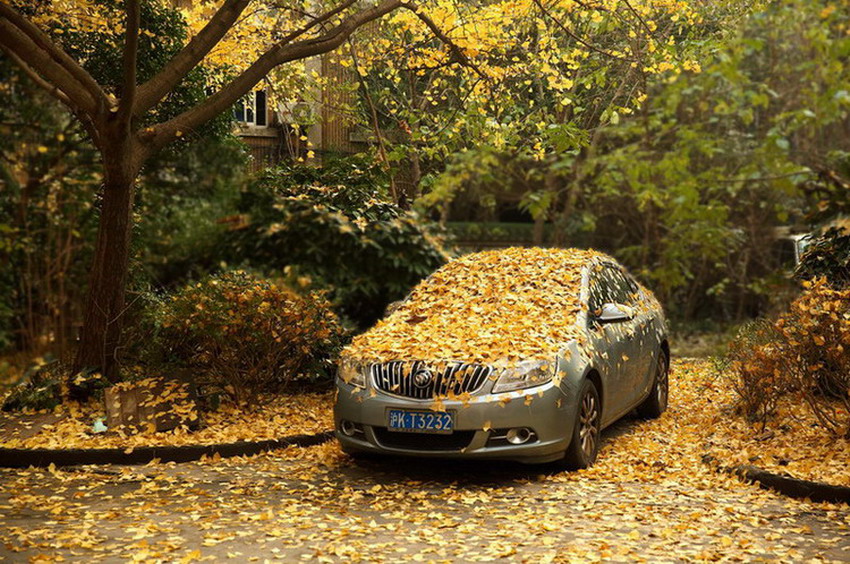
494	307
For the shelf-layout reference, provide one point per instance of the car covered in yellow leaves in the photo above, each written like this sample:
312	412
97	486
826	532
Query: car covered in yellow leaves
523	354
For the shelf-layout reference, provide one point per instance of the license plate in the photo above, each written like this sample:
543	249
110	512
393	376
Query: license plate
419	421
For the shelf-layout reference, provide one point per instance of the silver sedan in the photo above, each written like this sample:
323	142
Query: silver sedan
533	411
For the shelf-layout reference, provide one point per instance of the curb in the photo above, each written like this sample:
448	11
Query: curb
24	458
783	484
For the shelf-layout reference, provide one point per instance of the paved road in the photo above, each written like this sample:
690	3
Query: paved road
316	503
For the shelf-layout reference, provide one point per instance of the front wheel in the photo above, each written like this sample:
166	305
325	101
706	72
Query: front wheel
656	403
584	445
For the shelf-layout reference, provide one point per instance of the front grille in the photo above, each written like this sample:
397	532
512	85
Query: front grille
406	379
423	441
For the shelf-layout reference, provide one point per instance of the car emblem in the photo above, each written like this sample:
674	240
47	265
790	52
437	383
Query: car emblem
422	377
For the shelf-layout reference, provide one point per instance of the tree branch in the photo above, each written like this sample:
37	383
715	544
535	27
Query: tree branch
55	92
575	36
155	89
51	89
439	34
131	55
160	135
13	40
11	21
316	20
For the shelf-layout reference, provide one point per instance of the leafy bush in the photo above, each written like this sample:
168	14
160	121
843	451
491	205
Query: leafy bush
828	256
243	335
803	356
334	228
40	388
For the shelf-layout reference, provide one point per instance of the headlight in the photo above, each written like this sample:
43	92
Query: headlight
525	375
352	372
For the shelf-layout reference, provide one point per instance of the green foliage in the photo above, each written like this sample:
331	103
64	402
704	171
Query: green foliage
688	191
180	206
242	335
48	182
40	389
827	256
333	228
163	33
483	233
50	176
723	156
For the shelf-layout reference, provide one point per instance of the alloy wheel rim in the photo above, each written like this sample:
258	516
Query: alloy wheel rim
589	429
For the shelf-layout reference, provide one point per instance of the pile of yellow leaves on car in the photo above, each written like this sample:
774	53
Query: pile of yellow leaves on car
491	307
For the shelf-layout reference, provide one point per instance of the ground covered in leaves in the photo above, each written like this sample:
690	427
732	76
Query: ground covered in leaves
71	426
649	497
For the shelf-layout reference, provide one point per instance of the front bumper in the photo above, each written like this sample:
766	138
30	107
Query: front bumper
478	423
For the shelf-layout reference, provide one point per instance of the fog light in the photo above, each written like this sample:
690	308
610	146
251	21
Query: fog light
348	428
518	436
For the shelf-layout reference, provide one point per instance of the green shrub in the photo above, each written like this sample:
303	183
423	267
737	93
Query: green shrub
41	387
827	256
333	227
243	335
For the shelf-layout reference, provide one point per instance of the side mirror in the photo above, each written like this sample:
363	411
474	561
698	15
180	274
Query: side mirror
392	306
613	313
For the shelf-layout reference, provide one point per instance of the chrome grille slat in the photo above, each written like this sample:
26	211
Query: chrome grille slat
449	378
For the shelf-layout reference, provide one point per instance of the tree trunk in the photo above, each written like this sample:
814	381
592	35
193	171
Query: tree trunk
102	322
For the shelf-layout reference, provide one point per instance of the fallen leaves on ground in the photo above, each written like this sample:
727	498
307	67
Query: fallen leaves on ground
701	420
648	498
794	445
277	418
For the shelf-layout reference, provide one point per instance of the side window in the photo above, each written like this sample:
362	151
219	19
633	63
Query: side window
601	290
634	289
622	290
609	284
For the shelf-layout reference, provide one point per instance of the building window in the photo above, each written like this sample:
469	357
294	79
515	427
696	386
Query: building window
252	109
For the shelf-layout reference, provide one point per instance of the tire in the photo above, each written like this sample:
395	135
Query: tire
587	431
656	402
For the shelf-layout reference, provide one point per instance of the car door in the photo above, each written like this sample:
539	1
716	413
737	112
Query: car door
638	352
610	343
645	340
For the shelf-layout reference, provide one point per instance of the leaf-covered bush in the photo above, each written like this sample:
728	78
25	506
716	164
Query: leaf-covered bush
802	356
827	256
243	335
334	227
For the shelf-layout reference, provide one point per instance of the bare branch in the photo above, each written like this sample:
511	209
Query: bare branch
36	39
158	136
131	55
155	89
